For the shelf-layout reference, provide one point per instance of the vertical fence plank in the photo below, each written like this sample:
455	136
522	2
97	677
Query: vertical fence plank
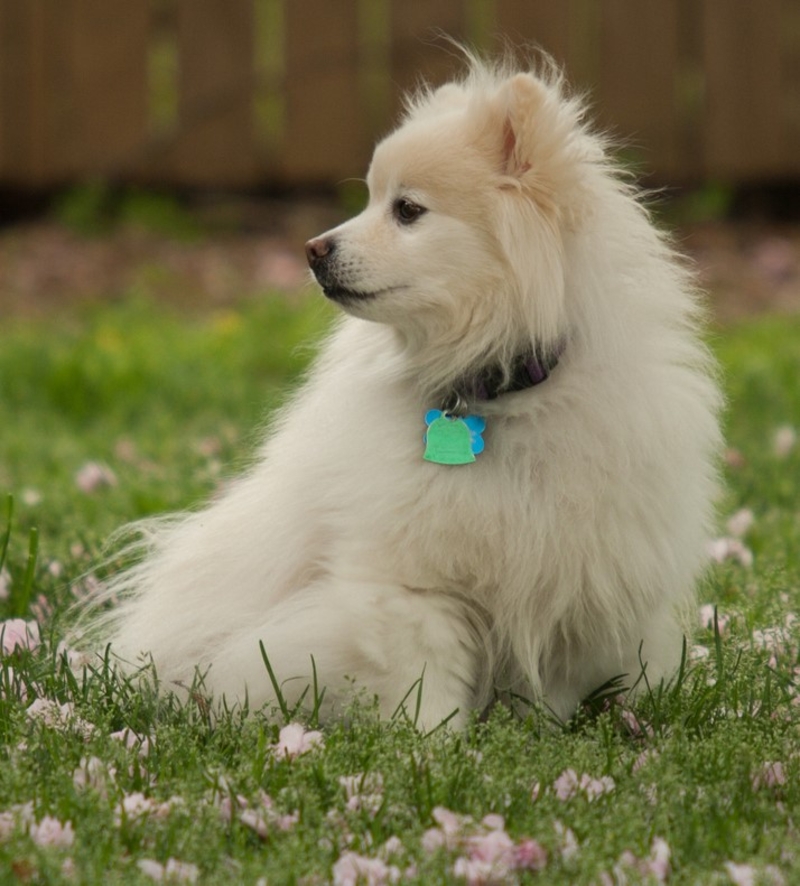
744	133
215	93
163	68
56	124
268	61
324	137
109	86
417	50
540	23
638	75
689	91
378	90
568	31
5	111
790	24
38	122
14	87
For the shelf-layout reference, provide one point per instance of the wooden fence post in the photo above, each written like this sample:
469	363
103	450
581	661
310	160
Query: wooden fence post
108	51
637	79
216	143
744	123
325	137
415	51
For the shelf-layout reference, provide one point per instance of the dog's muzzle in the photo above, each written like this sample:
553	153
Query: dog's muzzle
319	253
324	261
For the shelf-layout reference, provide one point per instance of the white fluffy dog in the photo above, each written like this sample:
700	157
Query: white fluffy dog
499	473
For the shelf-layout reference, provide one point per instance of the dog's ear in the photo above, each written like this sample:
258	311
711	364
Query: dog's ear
521	100
533	137
530	142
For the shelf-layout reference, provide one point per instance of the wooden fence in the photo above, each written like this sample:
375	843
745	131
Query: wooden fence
255	92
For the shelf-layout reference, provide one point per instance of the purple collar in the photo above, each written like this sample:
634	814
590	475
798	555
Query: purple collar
527	370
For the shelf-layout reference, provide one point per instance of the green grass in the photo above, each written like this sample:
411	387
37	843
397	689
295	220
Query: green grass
172	406
95	208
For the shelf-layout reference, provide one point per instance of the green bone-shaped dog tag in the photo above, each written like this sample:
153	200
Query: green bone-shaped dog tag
448	442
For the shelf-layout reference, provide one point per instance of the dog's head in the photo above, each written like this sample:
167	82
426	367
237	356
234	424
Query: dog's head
461	243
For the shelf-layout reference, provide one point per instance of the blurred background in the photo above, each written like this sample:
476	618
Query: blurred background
189	147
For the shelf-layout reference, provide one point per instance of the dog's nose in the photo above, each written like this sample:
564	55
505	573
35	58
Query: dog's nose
317	250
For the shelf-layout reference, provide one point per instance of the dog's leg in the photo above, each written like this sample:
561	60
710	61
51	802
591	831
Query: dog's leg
650	656
412	649
657	655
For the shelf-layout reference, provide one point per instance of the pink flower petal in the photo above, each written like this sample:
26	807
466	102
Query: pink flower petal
496	847
741	874
569	847
180	871
352	869
255	821
658	864
476	872
722	549
529	855
151	869
294	740
51	832
448	821
784	441
56	716
16	633
566	785
8	822
432	840
93	476
739	524
770	775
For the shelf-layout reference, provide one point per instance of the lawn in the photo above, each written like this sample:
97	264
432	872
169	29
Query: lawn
115	412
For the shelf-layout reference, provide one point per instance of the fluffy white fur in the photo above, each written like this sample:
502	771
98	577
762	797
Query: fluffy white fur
572	543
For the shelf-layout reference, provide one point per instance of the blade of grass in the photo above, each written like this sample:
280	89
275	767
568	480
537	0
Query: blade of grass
718	647
318	695
7	533
275	685
401	707
21	601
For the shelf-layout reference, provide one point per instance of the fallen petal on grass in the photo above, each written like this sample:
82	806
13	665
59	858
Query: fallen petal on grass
5	584
93	476
17	633
58	716
352	869
530	855
294	740
51	832
172	872
568	785
132	741
784	441
94	774
769	775
706	618
723	549
739	524
568	842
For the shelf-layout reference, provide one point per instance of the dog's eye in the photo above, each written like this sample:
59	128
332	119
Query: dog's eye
407	212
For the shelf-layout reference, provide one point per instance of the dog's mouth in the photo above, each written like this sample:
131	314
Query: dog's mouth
343	296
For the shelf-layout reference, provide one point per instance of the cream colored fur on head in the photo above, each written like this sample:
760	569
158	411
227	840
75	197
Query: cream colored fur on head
564	555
